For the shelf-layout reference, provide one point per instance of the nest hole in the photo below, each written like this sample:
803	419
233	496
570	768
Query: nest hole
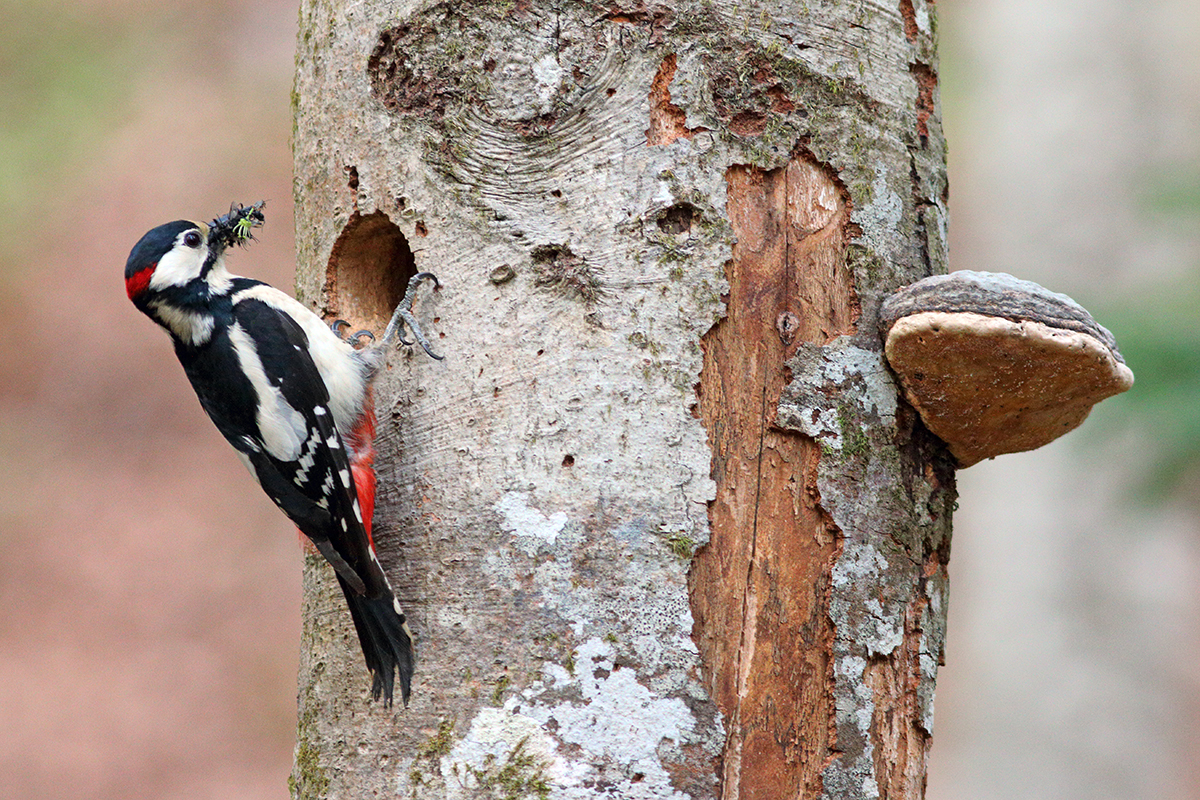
369	268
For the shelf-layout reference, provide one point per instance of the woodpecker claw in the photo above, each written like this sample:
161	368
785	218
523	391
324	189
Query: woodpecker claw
404	316
340	325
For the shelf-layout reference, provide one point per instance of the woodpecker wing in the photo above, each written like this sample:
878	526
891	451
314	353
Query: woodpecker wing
273	407
325	506
315	486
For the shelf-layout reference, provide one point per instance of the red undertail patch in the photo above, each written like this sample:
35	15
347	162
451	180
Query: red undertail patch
361	442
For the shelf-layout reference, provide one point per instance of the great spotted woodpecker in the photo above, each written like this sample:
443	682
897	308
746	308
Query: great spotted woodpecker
293	397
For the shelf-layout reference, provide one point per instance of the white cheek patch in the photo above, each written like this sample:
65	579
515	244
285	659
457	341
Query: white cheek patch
179	266
280	427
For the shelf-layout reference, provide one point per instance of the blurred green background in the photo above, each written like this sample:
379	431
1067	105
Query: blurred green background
151	597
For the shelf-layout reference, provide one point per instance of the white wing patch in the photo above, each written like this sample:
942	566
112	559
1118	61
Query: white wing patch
281	427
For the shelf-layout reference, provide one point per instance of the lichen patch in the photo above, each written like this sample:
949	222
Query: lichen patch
528	524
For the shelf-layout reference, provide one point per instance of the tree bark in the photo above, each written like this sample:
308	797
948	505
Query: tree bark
661	523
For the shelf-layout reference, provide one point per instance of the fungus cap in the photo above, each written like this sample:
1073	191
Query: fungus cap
998	365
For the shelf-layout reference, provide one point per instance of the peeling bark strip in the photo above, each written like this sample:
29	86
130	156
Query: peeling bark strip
668	121
760	590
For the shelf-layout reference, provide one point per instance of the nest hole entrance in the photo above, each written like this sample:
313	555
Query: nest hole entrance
369	268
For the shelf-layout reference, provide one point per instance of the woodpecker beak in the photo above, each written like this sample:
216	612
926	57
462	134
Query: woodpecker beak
216	240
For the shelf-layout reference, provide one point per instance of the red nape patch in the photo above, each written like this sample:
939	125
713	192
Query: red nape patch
136	283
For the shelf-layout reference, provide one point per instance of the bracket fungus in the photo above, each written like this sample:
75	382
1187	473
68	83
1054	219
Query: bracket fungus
994	364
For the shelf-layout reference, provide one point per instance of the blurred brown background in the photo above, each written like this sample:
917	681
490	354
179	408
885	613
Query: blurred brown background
150	595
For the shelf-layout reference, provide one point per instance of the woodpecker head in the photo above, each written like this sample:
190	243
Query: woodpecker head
187	255
173	254
177	271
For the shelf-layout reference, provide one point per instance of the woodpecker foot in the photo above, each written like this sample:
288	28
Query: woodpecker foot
353	339
404	316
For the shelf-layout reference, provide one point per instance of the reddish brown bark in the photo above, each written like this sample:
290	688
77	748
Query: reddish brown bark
760	589
667	120
901	745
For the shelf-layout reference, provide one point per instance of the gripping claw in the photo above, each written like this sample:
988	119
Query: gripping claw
340	325
403	316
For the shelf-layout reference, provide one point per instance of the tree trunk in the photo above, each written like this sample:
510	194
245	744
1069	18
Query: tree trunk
662	525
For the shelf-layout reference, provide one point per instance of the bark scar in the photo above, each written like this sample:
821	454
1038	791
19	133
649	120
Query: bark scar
668	121
760	589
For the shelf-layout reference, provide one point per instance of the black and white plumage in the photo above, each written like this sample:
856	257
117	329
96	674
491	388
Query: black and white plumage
294	400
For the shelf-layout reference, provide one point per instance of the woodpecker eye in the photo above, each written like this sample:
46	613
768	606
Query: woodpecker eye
192	238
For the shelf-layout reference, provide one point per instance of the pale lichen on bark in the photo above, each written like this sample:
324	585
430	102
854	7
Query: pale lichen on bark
543	487
889	583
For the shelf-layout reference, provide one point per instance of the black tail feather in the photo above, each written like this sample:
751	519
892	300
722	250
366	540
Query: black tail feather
386	643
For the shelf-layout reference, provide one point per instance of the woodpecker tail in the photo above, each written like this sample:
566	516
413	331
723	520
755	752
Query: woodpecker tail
386	642
382	630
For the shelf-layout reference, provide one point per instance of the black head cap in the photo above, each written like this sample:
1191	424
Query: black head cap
154	245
